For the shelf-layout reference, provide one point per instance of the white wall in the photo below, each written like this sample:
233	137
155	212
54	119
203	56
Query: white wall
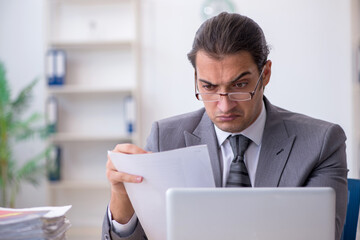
168	31
313	63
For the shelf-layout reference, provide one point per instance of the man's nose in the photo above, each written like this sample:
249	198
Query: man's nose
225	104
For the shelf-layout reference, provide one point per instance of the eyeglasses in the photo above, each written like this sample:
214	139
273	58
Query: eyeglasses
233	96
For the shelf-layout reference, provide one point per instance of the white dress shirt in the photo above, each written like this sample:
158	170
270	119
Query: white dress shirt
251	158
123	230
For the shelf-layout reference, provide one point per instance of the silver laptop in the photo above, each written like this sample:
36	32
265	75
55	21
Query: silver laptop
250	213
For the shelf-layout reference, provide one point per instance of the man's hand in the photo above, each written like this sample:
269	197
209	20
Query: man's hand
120	205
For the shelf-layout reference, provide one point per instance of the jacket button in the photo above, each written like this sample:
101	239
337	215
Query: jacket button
107	237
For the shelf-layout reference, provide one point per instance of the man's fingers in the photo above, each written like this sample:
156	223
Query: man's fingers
129	178
117	177
109	164
128	148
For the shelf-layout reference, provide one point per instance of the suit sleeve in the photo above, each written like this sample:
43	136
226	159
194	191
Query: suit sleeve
331	171
152	143
107	231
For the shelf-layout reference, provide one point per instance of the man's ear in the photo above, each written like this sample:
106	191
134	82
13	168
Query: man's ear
267	73
195	77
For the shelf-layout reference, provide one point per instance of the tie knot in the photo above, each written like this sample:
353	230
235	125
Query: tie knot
239	144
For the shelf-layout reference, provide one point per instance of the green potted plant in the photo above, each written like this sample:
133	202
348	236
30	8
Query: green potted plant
15	127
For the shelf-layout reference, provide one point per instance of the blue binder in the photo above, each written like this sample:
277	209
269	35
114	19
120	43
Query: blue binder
130	114
56	66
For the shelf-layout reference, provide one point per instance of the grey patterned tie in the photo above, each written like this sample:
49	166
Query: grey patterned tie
238	175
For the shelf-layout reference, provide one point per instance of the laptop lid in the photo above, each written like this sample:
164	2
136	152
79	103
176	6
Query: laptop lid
250	213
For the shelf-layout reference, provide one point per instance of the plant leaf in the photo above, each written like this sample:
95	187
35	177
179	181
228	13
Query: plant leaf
10	171
4	88
26	129
4	115
32	170
12	126
23	99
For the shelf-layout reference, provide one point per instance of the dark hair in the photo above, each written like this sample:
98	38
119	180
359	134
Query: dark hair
230	33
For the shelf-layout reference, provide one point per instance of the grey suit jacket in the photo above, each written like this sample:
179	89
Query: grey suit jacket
296	151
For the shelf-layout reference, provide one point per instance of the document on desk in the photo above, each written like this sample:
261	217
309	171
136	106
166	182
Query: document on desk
184	167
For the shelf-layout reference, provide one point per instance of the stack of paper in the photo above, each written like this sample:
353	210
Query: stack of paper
39	223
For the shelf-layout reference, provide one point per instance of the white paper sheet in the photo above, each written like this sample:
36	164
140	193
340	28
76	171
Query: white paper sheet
185	167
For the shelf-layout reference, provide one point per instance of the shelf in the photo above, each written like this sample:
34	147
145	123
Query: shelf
91	43
101	42
75	185
66	89
73	137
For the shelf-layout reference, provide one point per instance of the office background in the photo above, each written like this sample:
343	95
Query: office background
314	50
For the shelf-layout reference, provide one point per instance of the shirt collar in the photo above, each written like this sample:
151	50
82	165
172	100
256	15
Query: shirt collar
253	132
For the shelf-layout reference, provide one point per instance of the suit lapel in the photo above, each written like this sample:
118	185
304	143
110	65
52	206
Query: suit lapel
274	153
204	133
275	149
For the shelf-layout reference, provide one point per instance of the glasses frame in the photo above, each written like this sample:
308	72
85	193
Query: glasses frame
252	94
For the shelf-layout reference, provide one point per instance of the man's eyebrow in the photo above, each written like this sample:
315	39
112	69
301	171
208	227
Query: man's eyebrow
240	76
232	81
206	82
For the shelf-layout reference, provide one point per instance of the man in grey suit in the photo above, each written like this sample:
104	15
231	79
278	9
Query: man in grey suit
286	149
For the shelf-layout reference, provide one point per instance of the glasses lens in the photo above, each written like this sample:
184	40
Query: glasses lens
213	97
239	96
208	97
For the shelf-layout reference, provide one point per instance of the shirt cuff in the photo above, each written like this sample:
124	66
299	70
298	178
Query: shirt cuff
123	230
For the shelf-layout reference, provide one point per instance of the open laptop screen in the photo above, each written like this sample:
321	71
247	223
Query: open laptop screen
250	213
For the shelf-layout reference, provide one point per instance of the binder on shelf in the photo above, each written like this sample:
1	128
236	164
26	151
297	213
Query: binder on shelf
129	113
56	67
54	164
51	114
50	72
